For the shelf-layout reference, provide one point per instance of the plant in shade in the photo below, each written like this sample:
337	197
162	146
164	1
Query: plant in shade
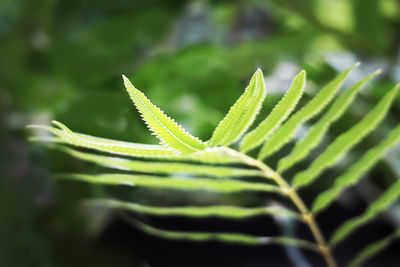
215	165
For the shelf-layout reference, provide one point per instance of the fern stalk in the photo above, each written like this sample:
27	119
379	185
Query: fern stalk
290	192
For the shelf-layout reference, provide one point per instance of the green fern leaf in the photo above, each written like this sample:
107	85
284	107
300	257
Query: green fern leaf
353	175
177	183
234	238
161	167
66	136
373	210
167	130
285	133
317	132
373	249
346	141
242	114
229	212
280	112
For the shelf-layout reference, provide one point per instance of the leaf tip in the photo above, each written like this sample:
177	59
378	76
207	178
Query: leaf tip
126	80
378	71
57	123
302	74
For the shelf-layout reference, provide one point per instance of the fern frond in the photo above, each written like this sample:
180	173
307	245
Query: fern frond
373	249
177	183
356	171
317	132
373	210
233	238
229	212
66	136
166	129
161	167
285	133
346	141
280	112
242	114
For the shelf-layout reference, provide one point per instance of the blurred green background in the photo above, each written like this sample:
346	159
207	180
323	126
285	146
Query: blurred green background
63	59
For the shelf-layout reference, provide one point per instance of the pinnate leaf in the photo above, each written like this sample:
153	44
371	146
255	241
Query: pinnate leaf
285	133
66	136
373	210
177	183
346	141
280	112
373	249
166	129
242	114
234	238
356	171
230	212
161	167
317	131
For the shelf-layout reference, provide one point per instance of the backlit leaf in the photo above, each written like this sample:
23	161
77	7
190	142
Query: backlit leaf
346	141
162	167
230	212
65	135
317	131
285	133
356	171
242	114
166	129
280	112
177	183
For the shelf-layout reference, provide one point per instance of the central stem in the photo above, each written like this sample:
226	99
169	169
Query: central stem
294	197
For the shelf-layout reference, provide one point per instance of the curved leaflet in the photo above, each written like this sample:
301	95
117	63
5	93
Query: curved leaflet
166	129
242	114
285	133
280	112
356	171
317	131
379	205
177	183
346	141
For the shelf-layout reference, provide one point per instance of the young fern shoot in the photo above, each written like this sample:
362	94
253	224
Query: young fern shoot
180	153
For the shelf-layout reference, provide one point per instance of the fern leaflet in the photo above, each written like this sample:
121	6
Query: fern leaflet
317	132
242	114
280	112
66	136
373	249
285	133
177	183
379	205
346	141
356	171
161	167
224	237
230	212
166	129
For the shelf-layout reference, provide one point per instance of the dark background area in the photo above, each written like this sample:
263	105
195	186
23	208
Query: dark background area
64	59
